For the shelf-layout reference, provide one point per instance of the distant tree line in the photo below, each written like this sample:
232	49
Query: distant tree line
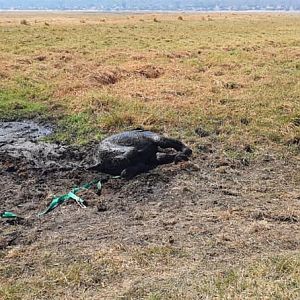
152	4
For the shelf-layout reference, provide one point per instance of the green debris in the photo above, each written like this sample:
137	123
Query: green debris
72	196
56	201
8	215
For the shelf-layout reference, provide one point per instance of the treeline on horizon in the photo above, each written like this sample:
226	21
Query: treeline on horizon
152	4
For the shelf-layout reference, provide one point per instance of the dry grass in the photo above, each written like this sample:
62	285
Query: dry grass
216	70
272	278
157	272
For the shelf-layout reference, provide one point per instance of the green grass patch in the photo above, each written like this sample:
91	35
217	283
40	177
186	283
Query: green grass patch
273	278
76	129
14	104
220	67
23	98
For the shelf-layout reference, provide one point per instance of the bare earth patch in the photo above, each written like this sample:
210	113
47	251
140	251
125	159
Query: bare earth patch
178	223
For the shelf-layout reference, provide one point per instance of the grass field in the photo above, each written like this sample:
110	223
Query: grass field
236	76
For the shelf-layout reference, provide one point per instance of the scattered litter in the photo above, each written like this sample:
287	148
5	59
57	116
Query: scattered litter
8	215
61	199
71	196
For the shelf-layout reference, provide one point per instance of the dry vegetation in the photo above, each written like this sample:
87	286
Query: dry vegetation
238	75
233	77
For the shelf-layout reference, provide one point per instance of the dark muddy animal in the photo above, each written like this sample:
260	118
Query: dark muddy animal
132	152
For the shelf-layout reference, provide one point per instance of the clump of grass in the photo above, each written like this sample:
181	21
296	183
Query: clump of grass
155	255
296	121
57	281
150	71
277	277
24	22
232	85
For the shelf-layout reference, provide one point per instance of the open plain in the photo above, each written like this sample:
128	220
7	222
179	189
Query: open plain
225	225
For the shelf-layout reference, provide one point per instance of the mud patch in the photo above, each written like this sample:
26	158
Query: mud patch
20	141
204	218
11	132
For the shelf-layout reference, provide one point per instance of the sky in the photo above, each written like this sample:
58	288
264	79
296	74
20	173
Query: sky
149	4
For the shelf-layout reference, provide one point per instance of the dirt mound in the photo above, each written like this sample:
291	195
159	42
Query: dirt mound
105	77
151	72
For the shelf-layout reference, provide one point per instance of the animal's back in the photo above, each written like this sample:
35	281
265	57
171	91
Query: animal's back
136	138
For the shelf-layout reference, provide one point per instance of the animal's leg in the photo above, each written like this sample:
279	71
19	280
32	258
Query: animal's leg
135	161
183	151
145	155
165	158
132	171
164	143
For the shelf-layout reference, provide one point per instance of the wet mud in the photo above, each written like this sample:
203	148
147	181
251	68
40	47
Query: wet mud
22	141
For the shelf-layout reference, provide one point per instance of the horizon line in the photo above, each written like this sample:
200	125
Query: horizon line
150	10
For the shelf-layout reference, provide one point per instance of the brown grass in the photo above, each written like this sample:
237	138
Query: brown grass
216	72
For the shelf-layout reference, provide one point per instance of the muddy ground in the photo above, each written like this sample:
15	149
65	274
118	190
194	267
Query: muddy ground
221	212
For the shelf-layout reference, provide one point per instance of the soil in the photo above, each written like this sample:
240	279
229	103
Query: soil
218	209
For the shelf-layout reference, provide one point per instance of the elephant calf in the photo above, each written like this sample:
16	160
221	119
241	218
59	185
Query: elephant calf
132	152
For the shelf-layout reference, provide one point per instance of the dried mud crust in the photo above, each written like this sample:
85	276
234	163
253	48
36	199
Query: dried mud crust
215	207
